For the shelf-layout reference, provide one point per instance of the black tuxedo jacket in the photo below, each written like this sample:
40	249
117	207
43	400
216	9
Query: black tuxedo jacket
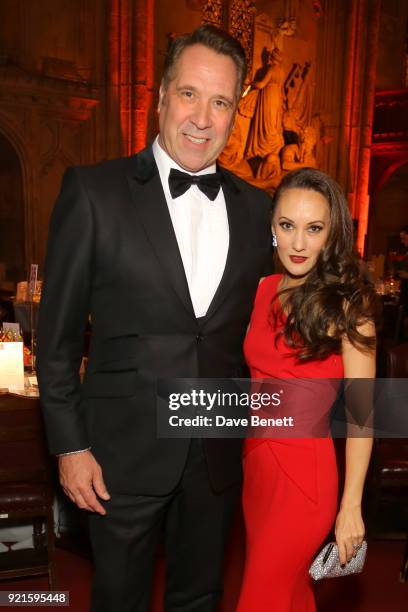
112	254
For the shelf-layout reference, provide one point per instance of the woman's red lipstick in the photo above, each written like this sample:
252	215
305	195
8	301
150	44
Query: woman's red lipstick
297	259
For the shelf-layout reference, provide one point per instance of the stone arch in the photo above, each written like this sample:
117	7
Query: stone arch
17	238
389	210
389	170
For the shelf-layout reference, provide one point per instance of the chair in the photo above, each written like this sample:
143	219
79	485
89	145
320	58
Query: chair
397	361
26	492
390	457
391	323
389	333
397	367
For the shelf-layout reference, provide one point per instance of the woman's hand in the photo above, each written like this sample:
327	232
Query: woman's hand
349	532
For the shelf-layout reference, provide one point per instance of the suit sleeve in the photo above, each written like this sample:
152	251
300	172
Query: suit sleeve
63	316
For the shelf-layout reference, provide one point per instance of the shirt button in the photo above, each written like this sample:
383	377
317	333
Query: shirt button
199	338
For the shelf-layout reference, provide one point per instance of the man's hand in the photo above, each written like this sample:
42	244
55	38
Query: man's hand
81	478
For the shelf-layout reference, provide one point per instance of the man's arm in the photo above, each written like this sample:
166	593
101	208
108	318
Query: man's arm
63	317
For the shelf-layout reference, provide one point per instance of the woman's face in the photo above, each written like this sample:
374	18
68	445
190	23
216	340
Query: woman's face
301	223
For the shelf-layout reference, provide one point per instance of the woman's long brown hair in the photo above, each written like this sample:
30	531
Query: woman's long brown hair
335	298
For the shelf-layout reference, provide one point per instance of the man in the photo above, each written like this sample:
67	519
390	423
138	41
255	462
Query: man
168	275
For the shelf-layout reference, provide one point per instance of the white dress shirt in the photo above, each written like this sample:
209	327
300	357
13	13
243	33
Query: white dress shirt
201	228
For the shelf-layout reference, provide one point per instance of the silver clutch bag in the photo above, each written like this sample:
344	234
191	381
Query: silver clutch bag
327	564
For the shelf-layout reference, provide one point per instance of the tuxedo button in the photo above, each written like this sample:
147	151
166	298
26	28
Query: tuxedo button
199	338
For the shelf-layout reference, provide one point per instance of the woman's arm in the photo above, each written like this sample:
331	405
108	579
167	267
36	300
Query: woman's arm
349	523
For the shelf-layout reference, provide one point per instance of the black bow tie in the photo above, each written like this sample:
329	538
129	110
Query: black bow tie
180	182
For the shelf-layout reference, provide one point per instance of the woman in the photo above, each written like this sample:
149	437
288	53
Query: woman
313	321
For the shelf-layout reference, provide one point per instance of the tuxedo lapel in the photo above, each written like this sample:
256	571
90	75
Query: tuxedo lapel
238	223
149	199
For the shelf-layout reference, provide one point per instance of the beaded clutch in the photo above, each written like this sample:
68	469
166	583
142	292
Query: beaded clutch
327	564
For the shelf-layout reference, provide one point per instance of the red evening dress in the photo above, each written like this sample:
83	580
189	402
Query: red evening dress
290	484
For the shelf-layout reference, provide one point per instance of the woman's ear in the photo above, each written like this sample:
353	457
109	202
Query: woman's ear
274	239
273	228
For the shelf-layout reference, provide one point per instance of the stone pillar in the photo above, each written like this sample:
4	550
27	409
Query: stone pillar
130	75
350	126
331	61
368	99
125	74
113	146
358	103
143	84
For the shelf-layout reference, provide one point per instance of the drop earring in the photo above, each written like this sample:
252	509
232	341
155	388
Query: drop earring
274	240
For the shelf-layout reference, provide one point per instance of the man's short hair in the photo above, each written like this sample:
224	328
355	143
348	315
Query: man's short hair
213	38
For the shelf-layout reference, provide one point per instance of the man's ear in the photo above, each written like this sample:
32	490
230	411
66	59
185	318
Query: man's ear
162	97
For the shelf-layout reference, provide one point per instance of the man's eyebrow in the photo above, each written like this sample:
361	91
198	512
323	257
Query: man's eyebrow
217	96
186	86
221	97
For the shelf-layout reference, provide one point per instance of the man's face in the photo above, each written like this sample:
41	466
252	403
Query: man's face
197	109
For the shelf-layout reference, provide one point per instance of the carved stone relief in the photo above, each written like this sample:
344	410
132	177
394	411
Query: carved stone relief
241	25
275	130
214	12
